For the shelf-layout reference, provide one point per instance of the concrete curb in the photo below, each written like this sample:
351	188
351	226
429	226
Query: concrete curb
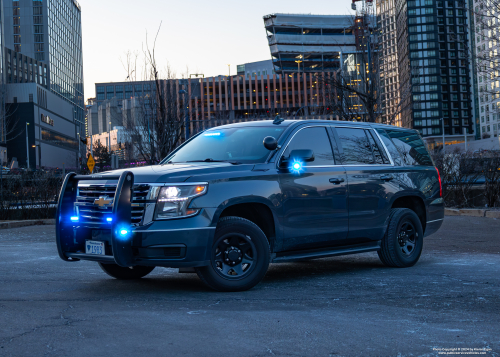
471	212
34	222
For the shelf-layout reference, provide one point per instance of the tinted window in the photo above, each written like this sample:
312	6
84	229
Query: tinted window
378	152
355	146
315	139
411	146
390	147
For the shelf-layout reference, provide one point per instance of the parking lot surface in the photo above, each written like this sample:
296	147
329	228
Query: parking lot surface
342	306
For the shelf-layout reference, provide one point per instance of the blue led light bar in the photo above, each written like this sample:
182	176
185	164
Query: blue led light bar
212	134
74	218
109	219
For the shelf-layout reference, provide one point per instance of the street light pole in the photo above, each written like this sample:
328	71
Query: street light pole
465	134
229	69
186	116
27	148
109	137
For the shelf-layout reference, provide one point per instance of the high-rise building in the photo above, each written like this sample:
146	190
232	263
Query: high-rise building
486	52
3	130
388	59
435	69
50	31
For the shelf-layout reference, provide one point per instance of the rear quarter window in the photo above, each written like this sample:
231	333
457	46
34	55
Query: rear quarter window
411	147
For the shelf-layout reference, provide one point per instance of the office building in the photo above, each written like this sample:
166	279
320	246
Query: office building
435	69
486	50
50	31
43	132
388	59
255	68
309	43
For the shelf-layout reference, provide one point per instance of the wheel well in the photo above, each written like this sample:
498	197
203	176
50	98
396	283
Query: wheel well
258	213
416	204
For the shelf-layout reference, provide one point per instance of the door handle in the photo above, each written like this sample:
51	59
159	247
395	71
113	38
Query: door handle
386	177
336	180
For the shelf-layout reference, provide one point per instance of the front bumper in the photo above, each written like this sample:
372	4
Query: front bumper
172	243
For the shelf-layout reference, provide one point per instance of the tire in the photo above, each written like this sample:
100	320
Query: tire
121	273
239	257
400	247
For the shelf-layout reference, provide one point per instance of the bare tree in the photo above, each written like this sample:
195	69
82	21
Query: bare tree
157	125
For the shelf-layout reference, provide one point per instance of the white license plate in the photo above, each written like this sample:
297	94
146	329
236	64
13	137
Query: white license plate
94	247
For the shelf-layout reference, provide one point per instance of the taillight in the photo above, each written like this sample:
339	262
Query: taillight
440	184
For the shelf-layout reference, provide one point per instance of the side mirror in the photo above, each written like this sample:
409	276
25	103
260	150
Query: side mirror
270	143
298	155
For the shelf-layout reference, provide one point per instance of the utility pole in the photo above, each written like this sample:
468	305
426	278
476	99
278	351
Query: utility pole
229	69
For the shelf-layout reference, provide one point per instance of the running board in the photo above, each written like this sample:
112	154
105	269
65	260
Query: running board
328	252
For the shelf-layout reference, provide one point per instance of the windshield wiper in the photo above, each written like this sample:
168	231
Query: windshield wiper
212	160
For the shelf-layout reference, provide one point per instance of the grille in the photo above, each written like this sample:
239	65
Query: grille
92	213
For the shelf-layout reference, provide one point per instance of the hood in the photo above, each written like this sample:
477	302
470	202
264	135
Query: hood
174	172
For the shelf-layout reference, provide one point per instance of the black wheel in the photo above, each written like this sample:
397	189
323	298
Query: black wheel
118	272
239	258
403	241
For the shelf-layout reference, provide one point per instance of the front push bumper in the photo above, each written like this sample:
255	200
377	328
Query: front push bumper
176	243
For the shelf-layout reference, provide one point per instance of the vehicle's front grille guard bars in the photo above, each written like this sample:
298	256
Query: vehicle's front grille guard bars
122	207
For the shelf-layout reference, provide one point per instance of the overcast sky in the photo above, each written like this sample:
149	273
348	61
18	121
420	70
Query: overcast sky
203	35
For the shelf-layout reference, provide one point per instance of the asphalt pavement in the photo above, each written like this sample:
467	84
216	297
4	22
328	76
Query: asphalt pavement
342	306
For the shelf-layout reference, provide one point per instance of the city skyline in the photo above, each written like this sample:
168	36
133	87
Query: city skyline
208	43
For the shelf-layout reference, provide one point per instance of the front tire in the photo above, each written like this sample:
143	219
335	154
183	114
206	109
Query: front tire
403	241
121	273
239	258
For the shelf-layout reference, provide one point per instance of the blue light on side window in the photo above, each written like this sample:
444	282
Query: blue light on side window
296	167
212	134
74	218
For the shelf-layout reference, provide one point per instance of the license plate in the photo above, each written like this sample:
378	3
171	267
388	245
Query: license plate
94	247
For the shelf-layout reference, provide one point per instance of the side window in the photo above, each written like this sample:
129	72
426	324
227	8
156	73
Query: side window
378	152
355	146
411	146
315	139
390	147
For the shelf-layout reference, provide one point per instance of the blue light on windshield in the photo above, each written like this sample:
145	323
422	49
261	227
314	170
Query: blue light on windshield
213	134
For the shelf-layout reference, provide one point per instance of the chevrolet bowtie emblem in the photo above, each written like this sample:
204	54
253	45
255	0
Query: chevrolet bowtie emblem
102	201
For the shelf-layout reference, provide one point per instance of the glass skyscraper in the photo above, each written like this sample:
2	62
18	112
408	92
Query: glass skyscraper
50	31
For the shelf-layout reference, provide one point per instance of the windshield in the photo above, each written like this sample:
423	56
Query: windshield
238	145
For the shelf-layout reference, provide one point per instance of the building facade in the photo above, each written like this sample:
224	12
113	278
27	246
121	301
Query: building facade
43	132
435	69
487	48
50	31
255	68
309	43
388	59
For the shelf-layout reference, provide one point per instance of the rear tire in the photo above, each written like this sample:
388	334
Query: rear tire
121	273
239	258
403	241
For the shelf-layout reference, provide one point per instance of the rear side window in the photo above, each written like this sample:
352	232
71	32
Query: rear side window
315	139
379	153
356	148
411	147
390	147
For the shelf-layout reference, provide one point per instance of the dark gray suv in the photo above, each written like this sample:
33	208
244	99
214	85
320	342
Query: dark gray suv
235	198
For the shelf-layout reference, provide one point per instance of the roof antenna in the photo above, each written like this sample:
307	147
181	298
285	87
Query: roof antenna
278	120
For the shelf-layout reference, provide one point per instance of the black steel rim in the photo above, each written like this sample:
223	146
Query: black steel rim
234	255
407	238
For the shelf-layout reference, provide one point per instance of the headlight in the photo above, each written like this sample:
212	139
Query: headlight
173	201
